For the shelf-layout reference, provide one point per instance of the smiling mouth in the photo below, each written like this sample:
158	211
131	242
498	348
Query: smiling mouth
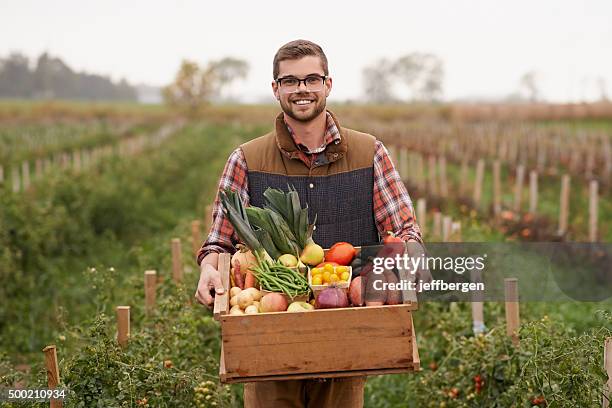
303	102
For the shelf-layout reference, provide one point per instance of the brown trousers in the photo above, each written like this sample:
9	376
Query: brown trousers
330	393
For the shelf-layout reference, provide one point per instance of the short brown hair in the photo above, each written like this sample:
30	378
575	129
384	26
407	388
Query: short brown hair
297	49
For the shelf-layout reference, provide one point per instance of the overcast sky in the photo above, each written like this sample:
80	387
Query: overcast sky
486	45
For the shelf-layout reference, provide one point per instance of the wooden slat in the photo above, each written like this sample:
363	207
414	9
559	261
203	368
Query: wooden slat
331	374
299	343
416	360
222	301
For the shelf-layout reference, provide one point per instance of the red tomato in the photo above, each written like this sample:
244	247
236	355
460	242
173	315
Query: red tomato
341	252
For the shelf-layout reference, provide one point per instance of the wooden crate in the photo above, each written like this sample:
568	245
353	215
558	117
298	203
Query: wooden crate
329	343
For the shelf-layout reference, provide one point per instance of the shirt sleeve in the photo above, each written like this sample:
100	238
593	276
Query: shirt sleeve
221	237
393	210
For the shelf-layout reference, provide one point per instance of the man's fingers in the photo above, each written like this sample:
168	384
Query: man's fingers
216	281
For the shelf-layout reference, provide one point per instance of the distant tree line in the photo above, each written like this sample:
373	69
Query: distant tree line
50	78
420	75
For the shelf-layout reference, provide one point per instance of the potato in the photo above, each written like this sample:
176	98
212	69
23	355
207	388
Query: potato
245	299
251	310
234	301
235	291
235	310
255	293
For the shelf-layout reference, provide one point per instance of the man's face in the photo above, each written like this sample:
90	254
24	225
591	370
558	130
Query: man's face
315	101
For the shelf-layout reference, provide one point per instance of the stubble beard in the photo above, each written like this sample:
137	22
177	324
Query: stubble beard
288	108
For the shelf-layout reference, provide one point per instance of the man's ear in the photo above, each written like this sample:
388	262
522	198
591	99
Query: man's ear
328	86
275	90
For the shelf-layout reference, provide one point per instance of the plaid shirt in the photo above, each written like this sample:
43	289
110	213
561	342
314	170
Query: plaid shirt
393	210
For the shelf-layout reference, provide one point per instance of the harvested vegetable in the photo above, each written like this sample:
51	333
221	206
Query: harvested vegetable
238	274
236	310
273	302
289	260
341	253
394	296
257	240
275	277
250	281
235	291
289	207
357	291
331	298
254	292
312	254
234	301
300	307
244	258
251	310
245	299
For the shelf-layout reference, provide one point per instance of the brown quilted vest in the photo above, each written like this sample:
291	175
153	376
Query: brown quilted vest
338	187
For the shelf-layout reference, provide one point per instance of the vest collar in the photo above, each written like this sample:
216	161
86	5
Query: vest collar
287	145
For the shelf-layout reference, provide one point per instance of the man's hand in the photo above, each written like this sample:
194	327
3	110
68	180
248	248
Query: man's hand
209	279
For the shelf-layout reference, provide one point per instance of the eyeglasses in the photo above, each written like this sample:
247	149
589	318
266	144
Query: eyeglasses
290	84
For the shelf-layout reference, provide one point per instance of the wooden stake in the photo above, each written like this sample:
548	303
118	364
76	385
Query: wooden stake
518	187
123	325
393	155
496	187
177	263
478	182
437	225
608	368
456	231
564	204
150	286
53	377
420	172
16	185
478	325
512	309
442	176
1	174
446	228
421	215
25	170
533	191
403	159
196	236
433	190
593	210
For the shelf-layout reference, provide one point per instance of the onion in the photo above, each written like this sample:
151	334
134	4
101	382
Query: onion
273	302
331	297
245	259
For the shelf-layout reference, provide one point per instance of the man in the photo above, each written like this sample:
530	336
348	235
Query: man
347	179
